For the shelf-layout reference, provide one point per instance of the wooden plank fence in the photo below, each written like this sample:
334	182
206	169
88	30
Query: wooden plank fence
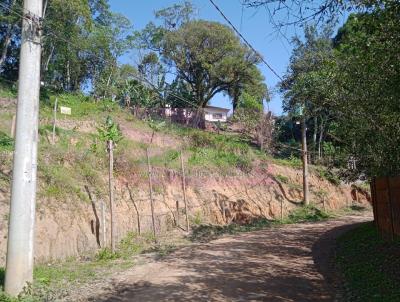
386	205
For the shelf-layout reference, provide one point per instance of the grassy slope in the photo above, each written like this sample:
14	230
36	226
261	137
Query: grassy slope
58	177
369	266
78	158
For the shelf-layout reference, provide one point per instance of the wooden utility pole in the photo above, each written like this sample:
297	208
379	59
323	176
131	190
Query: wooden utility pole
184	193
305	159
20	253
54	121
151	194
103	224
13	121
111	191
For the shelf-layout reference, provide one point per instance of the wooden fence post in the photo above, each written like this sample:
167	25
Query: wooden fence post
54	121
103	224
111	192
184	192
12	132
151	194
136	209
177	213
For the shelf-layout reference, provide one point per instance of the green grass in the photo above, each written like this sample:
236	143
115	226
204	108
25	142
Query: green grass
8	90
169	159
293	162
81	106
222	151
327	174
6	142
216	152
2	276
282	178
369	266
308	213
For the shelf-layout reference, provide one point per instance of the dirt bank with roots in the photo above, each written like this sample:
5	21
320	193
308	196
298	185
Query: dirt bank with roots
73	228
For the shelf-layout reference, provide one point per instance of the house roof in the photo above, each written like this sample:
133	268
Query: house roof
217	108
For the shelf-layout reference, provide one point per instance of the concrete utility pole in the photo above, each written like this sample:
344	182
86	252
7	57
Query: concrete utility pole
19	267
305	160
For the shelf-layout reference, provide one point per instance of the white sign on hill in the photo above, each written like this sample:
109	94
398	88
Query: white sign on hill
65	110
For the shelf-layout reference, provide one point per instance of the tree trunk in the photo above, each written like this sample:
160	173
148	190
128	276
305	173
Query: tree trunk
68	77
111	191
108	83
235	99
46	66
321	136
315	139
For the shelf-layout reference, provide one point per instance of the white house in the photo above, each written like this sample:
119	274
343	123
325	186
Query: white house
215	114
211	113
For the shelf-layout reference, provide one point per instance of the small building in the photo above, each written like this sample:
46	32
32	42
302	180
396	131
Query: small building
215	114
210	114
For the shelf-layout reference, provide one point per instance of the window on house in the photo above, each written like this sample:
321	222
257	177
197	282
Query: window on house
217	115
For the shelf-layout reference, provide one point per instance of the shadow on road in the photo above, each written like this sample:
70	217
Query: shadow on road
268	265
323	251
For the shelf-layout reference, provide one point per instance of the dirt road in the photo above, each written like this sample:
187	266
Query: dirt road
278	264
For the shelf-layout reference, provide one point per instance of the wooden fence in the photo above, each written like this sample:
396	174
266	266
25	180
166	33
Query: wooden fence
386	205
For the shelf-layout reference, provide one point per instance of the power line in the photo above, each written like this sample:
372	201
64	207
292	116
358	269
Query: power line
245	40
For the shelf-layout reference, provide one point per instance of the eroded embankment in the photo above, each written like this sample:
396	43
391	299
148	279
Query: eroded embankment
74	227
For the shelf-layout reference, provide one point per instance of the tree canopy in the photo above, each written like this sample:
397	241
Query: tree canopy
207	56
351	84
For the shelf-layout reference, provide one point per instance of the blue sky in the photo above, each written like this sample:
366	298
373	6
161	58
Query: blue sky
253	24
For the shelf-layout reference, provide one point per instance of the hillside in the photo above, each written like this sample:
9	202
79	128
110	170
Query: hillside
228	180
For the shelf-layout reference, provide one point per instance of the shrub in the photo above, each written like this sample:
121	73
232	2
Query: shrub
106	254
6	142
282	178
327	174
306	214
292	161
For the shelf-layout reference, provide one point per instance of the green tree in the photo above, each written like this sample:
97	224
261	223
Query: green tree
10	27
208	56
354	83
364	85
304	84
